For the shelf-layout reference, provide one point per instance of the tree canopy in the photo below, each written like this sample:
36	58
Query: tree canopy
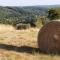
53	14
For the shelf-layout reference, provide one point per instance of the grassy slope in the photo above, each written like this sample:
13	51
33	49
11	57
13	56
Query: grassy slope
21	45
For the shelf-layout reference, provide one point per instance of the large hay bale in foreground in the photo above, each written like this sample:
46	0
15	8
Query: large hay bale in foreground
49	37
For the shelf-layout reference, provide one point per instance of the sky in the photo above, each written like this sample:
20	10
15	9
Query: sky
28	2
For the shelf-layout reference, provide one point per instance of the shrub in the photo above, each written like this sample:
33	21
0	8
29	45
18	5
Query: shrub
22	26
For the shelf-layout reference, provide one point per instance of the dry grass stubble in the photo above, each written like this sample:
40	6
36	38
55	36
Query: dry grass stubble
19	45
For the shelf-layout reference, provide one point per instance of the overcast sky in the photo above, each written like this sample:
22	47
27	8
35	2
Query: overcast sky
28	2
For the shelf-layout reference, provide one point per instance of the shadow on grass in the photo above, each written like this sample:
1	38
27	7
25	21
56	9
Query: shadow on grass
24	49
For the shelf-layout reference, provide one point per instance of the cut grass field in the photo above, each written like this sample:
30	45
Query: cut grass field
21	45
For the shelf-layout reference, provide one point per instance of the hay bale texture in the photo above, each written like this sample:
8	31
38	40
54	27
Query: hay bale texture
49	37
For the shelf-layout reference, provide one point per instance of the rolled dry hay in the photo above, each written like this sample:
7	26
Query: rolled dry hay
49	37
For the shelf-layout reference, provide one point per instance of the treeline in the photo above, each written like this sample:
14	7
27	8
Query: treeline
32	16
24	15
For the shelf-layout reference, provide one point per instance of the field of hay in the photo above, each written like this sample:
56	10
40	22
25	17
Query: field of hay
21	45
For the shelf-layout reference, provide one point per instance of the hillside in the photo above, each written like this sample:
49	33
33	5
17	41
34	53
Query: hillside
8	12
11	14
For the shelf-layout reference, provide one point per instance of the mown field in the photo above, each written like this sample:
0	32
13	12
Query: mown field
21	45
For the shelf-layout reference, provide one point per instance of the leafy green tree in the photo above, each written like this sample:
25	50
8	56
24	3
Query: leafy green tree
52	14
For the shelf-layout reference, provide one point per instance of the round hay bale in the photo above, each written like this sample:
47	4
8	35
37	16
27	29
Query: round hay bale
49	37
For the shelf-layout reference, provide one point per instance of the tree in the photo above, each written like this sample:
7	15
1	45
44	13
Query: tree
52	14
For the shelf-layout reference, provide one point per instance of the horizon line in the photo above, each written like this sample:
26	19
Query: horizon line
30	5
